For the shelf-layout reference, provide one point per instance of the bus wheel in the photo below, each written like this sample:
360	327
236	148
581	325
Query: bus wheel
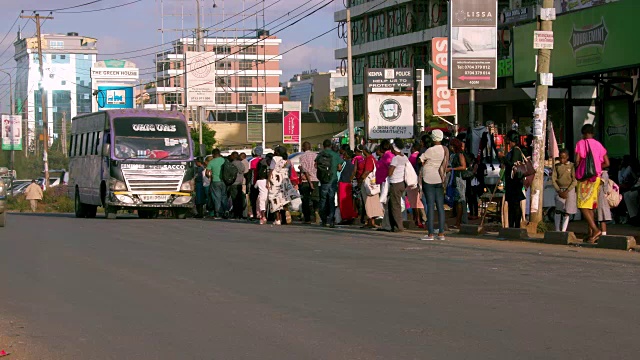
79	207
110	213
91	211
180	213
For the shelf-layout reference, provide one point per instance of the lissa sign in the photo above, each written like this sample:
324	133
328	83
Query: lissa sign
444	99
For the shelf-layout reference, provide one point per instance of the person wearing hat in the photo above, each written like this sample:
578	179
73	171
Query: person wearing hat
513	193
258	152
434	164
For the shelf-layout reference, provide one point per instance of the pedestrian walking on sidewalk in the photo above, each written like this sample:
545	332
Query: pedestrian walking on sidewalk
397	185
591	158
513	187
328	163
309	186
435	161
33	194
564	181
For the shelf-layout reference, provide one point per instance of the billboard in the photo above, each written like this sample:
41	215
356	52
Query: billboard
11	132
473	44
255	123
593	40
291	122
201	76
444	99
381	79
390	115
115	97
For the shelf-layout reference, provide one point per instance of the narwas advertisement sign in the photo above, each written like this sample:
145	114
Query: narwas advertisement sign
390	115
444	99
593	40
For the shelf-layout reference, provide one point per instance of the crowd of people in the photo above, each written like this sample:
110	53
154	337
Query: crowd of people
382	181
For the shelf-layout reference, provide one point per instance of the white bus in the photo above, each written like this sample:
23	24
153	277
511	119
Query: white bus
131	159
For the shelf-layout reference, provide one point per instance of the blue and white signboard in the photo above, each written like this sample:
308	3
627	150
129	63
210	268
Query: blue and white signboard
115	97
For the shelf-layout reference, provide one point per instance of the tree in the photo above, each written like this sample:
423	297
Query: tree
208	138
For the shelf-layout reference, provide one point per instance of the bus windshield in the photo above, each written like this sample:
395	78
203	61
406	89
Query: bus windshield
151	138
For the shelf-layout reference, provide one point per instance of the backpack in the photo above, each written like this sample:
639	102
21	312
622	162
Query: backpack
613	194
228	173
324	167
263	169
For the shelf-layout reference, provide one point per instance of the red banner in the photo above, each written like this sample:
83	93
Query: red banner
444	99
291	122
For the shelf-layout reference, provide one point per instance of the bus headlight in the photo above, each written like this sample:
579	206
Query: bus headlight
117	185
188	186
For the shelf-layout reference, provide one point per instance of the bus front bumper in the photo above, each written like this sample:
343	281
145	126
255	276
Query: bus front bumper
158	200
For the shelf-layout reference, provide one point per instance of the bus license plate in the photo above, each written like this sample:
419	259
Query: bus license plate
154	198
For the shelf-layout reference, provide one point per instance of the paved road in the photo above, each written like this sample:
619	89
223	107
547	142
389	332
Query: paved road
187	289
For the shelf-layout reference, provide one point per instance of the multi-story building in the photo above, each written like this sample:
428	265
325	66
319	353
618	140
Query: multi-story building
67	61
317	90
247	72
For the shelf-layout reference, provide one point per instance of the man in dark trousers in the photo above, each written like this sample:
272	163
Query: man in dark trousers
328	163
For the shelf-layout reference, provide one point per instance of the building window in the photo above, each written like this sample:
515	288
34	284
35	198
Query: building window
250	50
224	81
223	50
223	98
246	64
56	44
223	65
173	98
246	81
63	82
245	99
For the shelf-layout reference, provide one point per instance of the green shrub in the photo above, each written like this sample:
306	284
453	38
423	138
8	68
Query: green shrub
55	200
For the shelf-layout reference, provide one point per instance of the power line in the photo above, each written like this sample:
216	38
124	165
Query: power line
66	8
97	10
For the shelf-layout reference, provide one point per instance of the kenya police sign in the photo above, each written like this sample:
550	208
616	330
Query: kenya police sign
390	115
380	79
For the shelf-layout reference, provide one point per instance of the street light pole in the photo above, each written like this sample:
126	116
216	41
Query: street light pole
199	45
13	152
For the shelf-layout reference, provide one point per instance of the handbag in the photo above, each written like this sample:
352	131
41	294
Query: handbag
384	191
450	192
522	169
371	187
587	167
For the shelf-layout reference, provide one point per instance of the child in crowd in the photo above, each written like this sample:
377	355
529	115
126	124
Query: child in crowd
564	181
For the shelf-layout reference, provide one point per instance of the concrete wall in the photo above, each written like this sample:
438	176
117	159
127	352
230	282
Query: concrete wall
234	134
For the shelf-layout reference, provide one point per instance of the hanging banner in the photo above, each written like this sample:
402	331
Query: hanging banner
11	132
291	122
444	99
390	115
473	44
255	123
201	76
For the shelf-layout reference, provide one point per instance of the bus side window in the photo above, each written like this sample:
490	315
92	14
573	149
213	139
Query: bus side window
82	142
96	148
71	143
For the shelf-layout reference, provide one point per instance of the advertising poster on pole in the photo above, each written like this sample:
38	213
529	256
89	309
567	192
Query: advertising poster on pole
390	115
255	123
473	44
291	122
201	76
11	132
444	99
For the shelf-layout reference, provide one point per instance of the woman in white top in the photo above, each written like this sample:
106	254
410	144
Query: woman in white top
434	164
397	185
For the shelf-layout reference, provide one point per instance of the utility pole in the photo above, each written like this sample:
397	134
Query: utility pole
540	123
200	48
12	111
352	124
64	133
43	97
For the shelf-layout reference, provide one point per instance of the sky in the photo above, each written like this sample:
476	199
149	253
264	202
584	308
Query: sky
136	26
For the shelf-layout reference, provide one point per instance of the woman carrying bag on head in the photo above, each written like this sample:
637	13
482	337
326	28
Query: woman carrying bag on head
513	185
